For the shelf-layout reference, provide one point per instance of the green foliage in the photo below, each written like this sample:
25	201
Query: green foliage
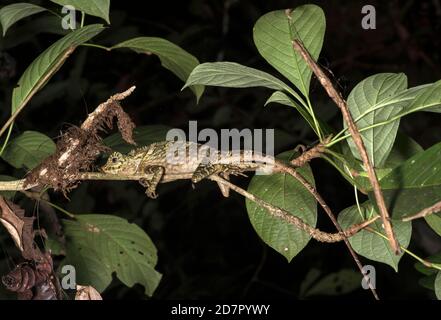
273	34
415	184
172	57
28	150
368	95
438	285
98	245
15	12
371	244
42	68
284	191
102	245
97	8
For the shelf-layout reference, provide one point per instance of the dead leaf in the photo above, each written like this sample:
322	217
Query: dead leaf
87	293
20	228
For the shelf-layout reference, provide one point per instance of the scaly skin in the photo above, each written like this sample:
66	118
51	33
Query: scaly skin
180	157
156	160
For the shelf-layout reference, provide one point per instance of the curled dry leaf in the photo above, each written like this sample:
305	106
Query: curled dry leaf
78	148
87	293
20	228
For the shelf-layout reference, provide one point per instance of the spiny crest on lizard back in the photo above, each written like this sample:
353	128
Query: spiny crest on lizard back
115	163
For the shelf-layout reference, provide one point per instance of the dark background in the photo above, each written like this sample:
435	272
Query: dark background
207	247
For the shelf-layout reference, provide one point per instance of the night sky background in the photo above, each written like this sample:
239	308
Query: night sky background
206	245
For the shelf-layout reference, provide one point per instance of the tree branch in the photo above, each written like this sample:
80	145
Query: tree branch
353	130
425	212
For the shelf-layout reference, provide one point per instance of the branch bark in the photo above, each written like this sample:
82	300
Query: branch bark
353	130
425	212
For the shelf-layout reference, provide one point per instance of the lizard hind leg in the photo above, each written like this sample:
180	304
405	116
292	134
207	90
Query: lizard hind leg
224	189
203	171
151	184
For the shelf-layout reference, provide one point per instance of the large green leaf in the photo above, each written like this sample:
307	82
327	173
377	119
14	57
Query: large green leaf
403	148
99	245
143	135
47	63
273	34
367	95
415	184
97	8
28	150
425	97
286	192
14	12
172	57
369	244
235	75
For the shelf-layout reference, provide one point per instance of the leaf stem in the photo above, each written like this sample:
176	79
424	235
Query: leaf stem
83	15
410	253
70	215
95	46
7	138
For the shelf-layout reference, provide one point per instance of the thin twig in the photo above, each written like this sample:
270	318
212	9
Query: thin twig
280	213
425	212
331	216
353	130
308	155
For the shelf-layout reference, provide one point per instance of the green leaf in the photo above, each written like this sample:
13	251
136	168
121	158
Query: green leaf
143	136
425	97
369	244
273	34
415	184
286	192
98	245
28	150
282	98
368	95
337	283
172	57
434	221
14	12
403	148
47	63
434	259
438	286
97	8
235	75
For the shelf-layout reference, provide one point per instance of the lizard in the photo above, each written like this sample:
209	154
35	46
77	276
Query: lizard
180	157
167	158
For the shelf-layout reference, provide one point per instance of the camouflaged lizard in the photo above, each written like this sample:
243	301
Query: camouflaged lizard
164	159
180	157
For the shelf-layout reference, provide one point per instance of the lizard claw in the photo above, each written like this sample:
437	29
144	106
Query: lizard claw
151	194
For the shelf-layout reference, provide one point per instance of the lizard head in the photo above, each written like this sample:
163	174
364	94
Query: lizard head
115	163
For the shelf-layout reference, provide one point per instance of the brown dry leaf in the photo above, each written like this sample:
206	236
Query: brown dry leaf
10	218
87	293
20	228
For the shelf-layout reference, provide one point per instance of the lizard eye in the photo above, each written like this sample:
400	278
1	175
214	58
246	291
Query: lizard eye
114	160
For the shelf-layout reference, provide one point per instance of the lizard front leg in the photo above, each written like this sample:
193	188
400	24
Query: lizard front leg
151	184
